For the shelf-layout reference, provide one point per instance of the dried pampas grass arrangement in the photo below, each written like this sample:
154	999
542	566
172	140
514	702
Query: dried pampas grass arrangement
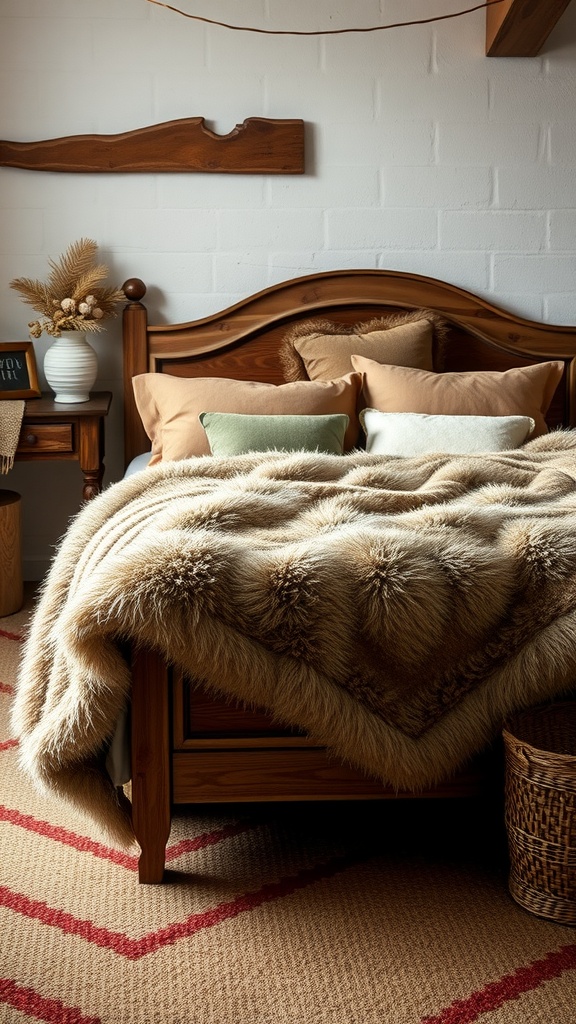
72	298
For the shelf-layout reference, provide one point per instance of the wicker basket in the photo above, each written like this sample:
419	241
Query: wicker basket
540	752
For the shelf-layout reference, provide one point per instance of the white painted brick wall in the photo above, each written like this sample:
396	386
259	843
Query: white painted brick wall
522	231
422	155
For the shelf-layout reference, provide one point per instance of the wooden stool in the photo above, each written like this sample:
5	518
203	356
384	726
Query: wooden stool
11	588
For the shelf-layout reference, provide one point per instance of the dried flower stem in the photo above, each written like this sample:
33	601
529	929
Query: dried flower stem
71	299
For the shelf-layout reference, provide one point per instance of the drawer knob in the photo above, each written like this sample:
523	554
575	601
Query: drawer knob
31	438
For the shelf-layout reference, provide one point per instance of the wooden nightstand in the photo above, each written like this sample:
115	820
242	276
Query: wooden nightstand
56	432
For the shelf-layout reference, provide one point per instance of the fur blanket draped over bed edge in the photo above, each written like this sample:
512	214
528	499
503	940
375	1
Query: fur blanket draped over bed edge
396	609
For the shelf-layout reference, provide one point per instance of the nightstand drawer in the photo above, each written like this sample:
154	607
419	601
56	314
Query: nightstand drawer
46	437
71	432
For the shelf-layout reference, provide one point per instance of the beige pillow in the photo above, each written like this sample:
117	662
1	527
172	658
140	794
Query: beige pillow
170	406
321	350
521	391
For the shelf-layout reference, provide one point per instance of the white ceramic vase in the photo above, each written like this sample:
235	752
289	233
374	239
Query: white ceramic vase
70	367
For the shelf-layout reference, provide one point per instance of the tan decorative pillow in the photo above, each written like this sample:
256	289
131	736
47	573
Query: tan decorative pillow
321	350
170	407
521	391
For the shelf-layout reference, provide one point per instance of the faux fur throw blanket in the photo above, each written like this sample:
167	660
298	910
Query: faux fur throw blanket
398	610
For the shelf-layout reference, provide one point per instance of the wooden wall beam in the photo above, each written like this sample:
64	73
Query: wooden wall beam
259	145
519	28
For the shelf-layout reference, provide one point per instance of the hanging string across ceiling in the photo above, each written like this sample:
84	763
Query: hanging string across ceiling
323	32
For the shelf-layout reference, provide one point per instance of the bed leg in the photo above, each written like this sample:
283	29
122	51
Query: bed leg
150	763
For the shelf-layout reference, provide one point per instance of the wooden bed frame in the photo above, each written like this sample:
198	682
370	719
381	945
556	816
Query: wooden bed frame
188	748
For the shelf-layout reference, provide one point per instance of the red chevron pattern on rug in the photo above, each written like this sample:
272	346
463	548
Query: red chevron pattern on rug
52	1010
7	635
359	914
133	949
87	845
498	993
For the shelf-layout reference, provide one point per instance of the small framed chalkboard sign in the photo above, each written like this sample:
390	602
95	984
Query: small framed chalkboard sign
18	374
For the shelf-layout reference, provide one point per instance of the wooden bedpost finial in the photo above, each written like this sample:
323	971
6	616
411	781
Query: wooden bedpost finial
134	289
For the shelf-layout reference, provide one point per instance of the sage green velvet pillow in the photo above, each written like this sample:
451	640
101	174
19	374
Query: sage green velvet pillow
231	433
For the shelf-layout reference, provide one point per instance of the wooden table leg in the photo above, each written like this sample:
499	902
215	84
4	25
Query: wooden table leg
91	456
11	586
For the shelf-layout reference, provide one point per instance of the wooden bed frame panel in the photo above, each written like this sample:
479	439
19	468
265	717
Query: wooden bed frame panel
187	747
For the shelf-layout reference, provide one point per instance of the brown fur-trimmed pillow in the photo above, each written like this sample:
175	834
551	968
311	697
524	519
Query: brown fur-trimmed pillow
321	350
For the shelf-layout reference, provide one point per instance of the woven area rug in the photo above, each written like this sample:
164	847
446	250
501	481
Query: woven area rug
391	913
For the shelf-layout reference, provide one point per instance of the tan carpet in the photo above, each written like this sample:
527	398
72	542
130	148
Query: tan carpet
340	914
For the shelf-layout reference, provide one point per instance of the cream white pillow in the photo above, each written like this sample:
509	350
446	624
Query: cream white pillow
412	433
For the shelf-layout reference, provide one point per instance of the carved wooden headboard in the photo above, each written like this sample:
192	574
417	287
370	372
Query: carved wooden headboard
242	341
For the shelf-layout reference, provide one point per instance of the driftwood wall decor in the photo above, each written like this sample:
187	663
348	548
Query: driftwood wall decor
257	146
